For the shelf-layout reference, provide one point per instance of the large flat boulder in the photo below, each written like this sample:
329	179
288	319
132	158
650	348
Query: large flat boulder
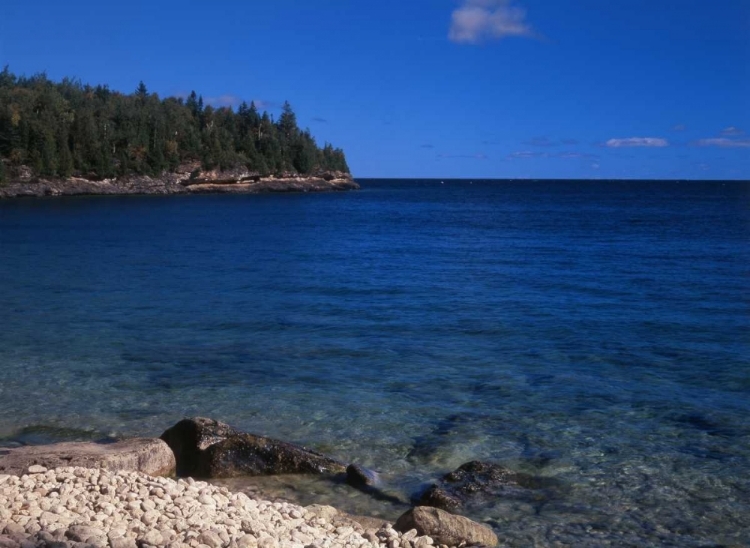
445	528
148	455
207	448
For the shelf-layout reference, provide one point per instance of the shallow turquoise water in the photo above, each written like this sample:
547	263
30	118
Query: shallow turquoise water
595	333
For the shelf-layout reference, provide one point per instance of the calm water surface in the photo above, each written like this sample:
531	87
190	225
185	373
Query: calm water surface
594	333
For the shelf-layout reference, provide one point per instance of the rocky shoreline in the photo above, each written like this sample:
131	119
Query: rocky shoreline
76	495
187	179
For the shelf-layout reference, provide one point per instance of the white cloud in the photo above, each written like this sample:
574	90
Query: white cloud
724	143
478	20
731	130
637	142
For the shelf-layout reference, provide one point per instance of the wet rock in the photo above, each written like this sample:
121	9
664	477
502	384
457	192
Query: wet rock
368	481
476	483
148	455
211	449
445	528
360	477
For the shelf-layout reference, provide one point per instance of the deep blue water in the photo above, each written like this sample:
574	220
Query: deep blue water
596	333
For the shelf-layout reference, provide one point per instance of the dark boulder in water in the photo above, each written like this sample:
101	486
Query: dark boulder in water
477	483
211	449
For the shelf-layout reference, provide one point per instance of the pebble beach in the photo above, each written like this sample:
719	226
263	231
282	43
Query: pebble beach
83	507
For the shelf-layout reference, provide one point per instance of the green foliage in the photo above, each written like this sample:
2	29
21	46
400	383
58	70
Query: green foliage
68	128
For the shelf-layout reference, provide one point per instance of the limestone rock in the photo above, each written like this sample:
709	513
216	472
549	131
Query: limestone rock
148	455
187	179
445	528
211	449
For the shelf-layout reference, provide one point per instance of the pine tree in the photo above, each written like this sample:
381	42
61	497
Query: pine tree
192	104
287	121
141	92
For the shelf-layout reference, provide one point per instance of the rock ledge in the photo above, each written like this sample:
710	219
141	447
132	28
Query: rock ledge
148	455
185	180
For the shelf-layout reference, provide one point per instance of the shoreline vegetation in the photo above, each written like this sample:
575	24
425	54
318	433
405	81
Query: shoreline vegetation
70	138
145	492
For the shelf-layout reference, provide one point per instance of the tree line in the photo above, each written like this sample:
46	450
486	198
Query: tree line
68	128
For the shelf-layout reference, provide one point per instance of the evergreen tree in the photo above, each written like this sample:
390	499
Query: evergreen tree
287	122
141	92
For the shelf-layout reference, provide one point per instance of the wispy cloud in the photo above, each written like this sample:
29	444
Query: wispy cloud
637	142
547	142
723	142
679	127
478	20
262	104
466	156
227	100
320	120
426	146
732	131
540	142
526	154
576	155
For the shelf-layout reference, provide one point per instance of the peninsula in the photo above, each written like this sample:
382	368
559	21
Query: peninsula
69	138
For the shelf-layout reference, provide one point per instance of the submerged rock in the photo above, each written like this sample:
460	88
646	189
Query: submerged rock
479	482
445	528
211	449
147	455
368	481
361	477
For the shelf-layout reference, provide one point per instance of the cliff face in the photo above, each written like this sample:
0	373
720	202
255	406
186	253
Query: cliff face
184	181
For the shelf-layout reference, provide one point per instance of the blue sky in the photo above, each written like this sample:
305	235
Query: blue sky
436	88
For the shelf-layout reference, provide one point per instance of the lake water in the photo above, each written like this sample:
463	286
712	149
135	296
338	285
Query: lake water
593	333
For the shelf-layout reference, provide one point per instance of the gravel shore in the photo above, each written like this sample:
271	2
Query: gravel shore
82	507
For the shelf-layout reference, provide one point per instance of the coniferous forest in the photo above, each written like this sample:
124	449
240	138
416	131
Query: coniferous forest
63	129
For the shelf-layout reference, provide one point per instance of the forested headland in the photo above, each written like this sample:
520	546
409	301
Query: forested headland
70	129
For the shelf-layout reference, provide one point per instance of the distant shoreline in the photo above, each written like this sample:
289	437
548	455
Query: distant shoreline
213	182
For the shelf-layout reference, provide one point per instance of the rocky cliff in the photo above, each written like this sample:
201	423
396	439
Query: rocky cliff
186	180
